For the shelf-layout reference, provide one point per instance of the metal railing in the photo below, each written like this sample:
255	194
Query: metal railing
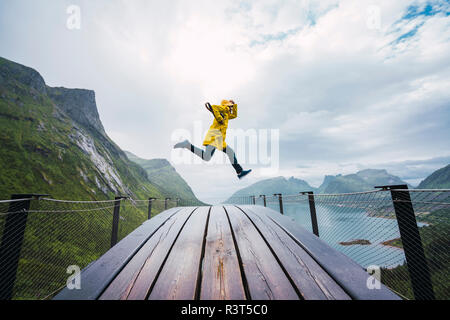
402	233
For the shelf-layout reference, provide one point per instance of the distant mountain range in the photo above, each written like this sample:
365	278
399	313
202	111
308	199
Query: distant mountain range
52	141
275	185
165	177
361	181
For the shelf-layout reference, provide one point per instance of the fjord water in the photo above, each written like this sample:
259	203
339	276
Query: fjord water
343	225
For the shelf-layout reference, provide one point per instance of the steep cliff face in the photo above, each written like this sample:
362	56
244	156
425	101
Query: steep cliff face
79	105
52	141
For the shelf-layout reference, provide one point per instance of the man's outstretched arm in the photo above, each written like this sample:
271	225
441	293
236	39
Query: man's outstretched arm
216	111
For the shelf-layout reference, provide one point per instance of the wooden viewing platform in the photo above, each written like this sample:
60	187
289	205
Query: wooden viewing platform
223	252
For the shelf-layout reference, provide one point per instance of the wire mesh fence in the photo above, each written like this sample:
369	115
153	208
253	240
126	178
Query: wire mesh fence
41	241
132	214
50	235
365	227
432	210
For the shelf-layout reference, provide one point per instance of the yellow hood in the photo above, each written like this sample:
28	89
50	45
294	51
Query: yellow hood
226	103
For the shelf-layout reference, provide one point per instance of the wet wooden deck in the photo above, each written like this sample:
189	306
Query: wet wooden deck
223	253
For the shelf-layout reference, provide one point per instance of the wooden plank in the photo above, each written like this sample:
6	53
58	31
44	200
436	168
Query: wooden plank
221	275
265	278
347	273
97	275
179	275
142	269
311	280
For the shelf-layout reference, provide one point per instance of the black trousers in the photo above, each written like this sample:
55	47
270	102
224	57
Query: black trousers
209	152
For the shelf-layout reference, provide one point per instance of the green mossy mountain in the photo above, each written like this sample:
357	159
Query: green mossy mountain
164	175
439	179
52	141
364	180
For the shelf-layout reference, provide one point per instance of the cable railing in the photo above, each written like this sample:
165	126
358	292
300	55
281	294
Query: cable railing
400	232
404	234
42	237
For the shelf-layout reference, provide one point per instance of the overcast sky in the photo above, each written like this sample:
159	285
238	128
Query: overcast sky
348	84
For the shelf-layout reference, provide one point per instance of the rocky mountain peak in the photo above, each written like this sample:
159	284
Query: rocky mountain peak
79	104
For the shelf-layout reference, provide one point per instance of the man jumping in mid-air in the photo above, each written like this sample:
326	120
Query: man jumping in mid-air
215	138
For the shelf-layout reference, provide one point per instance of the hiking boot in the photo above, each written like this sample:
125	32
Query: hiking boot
182	144
244	173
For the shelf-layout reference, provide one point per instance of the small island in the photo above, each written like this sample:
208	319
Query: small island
394	243
356	241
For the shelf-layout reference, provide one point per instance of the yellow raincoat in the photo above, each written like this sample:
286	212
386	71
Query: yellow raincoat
218	131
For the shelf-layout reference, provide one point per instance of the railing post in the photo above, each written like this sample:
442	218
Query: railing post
264	199
12	240
115	224
166	203
150	202
412	242
312	210
253	200
280	200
